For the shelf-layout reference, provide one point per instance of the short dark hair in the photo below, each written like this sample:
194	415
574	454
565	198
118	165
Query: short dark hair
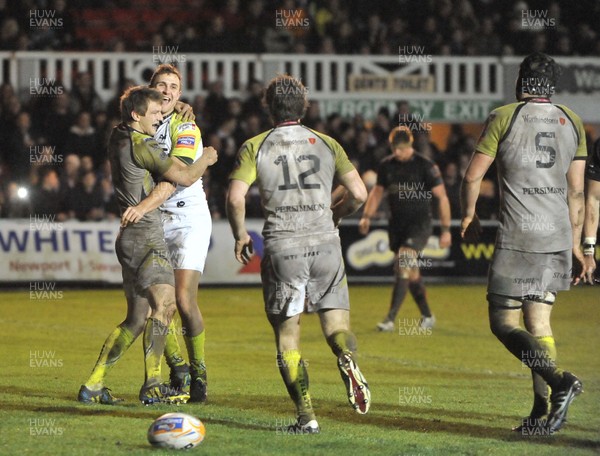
137	99
538	75
400	135
286	98
165	68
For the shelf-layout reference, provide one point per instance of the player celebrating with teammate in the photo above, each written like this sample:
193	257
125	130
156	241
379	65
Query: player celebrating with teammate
136	159
294	168
540	151
187	225
410	181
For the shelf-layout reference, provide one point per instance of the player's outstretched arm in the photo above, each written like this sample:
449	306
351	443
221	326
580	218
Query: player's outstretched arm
157	196
236	214
469	192
186	175
590	228
353	199
373	202
439	192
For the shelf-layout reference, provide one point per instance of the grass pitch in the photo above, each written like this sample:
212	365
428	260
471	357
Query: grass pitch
455	391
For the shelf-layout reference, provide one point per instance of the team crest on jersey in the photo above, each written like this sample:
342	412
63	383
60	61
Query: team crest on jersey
312	140
186	126
186	141
152	145
562	120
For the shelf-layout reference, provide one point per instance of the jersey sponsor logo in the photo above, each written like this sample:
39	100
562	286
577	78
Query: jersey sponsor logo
284	143
543	191
300	208
186	141
186	126
312	140
535	119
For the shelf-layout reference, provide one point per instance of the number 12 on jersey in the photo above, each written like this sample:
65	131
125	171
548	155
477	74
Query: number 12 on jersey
301	179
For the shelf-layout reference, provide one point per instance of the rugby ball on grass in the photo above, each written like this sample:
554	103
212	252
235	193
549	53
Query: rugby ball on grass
176	431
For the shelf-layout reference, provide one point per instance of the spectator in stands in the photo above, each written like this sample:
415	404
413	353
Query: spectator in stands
82	139
458	144
15	205
216	38
84	96
87	164
215	109
46	200
425	147
253	103
254	27
362	154
113	107
109	199
190	41
488	42
56	122
375	33
9	34
70	173
86	203
18	147
39	157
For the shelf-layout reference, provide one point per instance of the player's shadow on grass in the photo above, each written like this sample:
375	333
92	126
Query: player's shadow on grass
404	420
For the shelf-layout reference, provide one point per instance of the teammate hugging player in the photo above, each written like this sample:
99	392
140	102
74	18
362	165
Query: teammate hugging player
540	152
187	225
136	160
410	181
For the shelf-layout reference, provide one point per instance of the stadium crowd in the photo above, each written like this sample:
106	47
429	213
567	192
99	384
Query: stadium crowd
458	27
55	146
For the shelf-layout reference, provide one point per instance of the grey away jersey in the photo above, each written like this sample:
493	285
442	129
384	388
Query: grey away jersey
294	168
534	143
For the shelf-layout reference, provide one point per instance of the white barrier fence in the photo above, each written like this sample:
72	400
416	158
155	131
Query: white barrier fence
453	89
326	76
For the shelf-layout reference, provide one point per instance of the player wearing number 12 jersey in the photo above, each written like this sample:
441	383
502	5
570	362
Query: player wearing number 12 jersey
539	148
294	168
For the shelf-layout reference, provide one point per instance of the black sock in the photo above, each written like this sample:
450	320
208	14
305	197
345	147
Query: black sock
398	294
417	290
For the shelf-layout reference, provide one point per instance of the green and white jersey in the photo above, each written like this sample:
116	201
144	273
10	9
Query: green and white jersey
294	168
534	143
137	161
183	140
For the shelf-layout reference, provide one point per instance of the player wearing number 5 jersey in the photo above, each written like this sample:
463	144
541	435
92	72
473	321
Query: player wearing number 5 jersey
539	148
294	168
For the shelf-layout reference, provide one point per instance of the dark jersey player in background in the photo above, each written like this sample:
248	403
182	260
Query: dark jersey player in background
411	181
592	209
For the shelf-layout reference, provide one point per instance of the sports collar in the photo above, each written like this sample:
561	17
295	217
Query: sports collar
287	123
537	100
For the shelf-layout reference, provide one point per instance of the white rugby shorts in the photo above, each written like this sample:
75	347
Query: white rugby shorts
188	238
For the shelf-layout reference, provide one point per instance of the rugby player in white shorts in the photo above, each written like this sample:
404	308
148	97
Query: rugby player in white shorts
187	225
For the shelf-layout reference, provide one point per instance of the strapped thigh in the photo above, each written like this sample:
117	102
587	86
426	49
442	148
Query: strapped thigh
504	302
